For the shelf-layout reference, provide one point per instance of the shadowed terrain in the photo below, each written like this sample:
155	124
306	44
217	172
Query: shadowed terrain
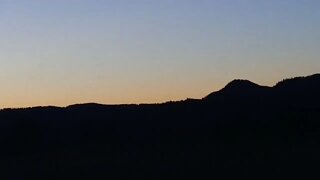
243	130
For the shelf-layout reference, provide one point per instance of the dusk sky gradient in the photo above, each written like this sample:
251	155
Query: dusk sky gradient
62	52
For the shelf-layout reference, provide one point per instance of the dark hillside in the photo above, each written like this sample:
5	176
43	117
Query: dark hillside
244	130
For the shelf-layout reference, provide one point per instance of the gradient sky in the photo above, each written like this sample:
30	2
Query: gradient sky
61	52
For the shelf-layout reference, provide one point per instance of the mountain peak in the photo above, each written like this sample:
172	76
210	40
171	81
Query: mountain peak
238	84
238	87
247	91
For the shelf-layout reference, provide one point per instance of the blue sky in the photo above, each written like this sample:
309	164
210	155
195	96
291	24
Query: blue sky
135	51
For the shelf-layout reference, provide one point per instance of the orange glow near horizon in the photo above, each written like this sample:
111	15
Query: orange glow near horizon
118	52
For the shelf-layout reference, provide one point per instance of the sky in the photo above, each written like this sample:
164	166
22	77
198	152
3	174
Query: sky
65	52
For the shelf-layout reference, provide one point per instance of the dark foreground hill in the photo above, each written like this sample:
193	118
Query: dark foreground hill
244	130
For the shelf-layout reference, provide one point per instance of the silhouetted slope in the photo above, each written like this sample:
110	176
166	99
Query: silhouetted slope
300	82
244	130
300	91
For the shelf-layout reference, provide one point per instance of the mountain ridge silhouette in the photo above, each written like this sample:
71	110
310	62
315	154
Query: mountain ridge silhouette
243	130
235	87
